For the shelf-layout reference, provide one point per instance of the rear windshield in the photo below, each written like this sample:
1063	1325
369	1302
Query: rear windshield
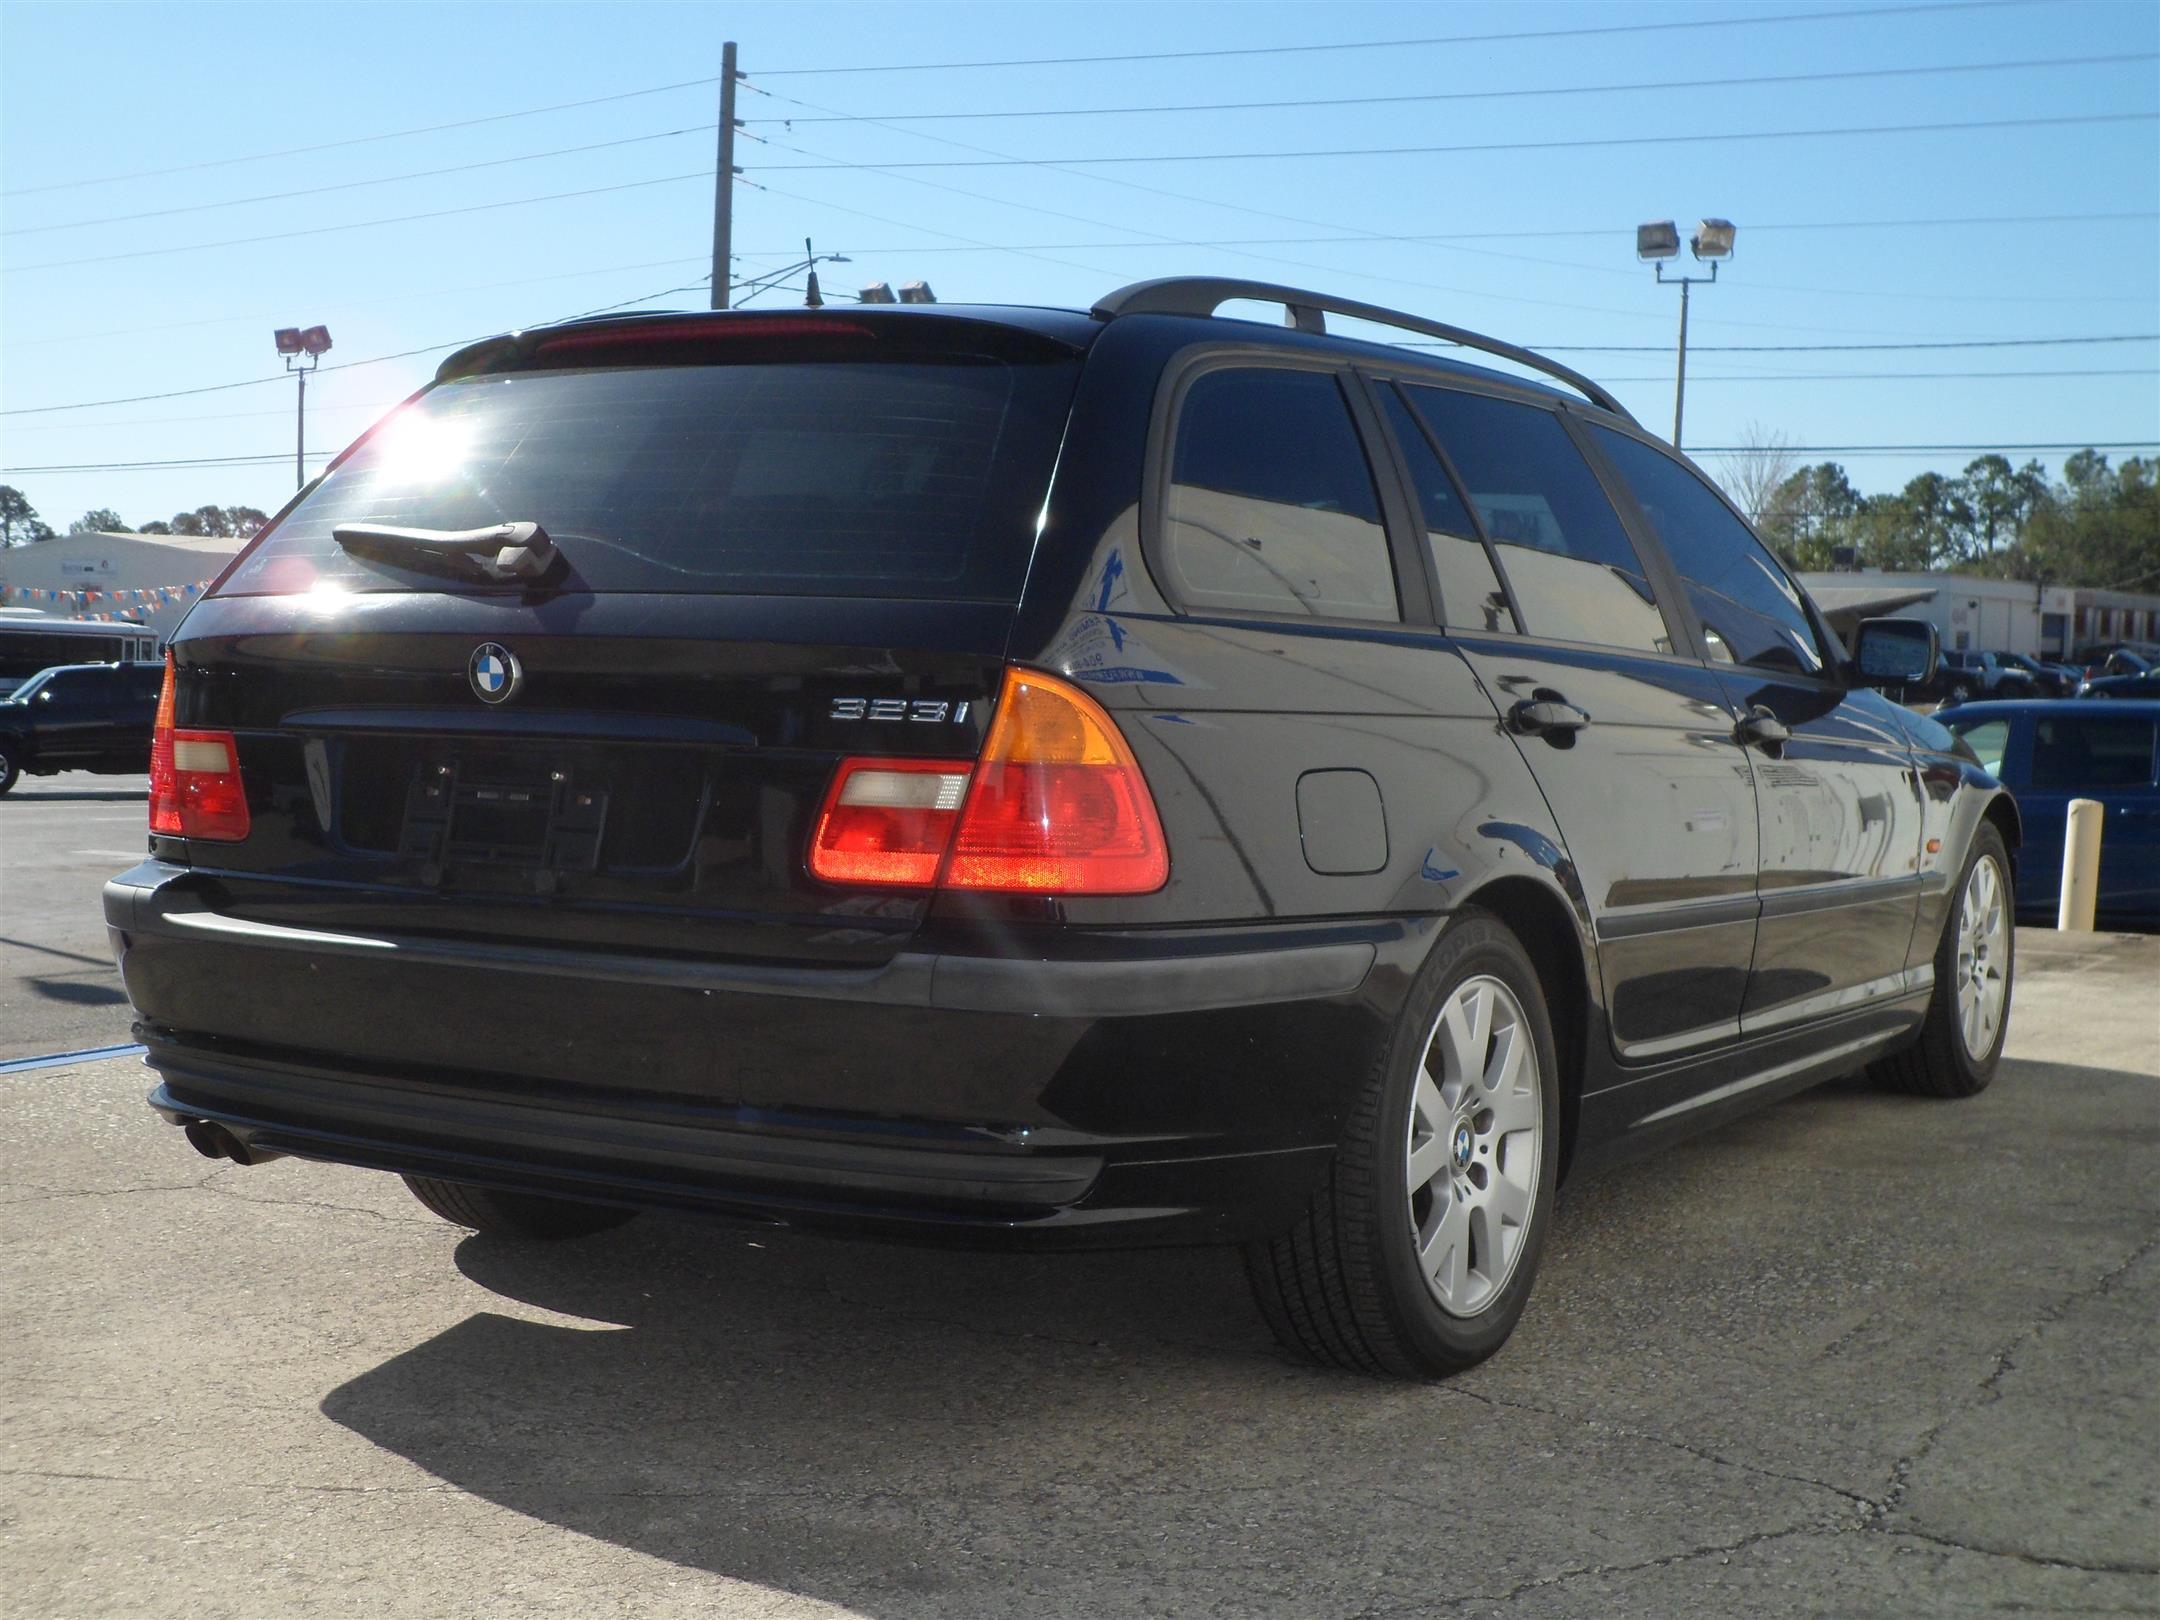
920	478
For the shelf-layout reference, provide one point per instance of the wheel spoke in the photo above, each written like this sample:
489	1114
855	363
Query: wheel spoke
1515	1111
1428	1159
1507	1200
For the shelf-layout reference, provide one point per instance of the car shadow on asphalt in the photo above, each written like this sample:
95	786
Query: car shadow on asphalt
902	1431
31	795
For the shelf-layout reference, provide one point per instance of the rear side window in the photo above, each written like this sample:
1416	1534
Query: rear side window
1988	739
1750	611
1575	573
2078	751
1272	506
1470	593
917	478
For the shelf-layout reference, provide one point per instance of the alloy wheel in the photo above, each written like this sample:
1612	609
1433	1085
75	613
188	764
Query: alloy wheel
1983	957
1474	1145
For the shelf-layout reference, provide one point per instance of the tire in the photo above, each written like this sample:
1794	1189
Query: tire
1942	1063
514	1214
10	768
1346	1285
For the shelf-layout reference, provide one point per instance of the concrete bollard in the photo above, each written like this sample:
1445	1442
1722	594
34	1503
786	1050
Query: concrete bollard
2080	867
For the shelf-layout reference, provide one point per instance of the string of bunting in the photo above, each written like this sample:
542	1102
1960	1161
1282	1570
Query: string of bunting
84	600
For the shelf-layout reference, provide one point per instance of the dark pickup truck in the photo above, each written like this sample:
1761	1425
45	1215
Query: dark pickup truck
79	717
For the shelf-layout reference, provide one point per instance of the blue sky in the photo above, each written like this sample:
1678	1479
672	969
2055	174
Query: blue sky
92	306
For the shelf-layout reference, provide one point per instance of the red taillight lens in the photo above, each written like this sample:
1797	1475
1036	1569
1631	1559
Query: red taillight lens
1058	805
886	822
194	778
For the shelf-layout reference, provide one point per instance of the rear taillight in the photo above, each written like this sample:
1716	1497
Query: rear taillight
1056	805
887	821
194	778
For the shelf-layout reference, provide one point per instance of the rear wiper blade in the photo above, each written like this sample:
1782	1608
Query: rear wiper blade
520	550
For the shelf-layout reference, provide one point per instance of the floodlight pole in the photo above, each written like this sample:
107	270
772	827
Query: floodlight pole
1679	398
300	365
724	173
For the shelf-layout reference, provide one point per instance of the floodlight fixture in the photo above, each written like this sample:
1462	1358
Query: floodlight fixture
1713	239
288	340
878	292
316	339
1658	239
917	292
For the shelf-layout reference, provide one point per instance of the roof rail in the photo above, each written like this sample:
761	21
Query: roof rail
1306	311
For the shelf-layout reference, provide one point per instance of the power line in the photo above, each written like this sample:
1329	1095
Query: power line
219	388
354	185
1624	232
1482	95
1886	376
1943	127
1813	348
1453	244
1354	233
358	225
358	140
1313	48
1921	449
1698	450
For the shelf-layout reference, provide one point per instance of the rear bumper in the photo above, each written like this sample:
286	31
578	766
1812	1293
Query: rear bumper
1165	1086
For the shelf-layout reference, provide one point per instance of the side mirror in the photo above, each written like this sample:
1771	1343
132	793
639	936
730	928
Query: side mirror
1896	652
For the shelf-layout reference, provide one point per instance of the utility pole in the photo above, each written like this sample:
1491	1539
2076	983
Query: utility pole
724	172
299	455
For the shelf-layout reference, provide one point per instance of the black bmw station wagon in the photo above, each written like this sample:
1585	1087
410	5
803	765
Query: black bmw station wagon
1124	777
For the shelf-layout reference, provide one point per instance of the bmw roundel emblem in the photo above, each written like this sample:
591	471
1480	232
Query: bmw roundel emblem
495	672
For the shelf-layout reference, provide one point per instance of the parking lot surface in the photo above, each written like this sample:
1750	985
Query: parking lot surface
61	837
1857	1355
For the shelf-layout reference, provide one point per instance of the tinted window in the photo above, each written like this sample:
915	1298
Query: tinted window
812	478
1574	571
1986	738
1272	505
1750	611
1470	593
2088	751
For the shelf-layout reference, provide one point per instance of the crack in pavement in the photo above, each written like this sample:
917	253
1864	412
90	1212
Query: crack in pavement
2004	1362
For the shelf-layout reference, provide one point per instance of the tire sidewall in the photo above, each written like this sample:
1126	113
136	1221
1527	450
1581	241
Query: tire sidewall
1477	944
10	770
1977	1072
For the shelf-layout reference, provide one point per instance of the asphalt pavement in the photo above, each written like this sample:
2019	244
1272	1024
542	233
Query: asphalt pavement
61	837
1856	1355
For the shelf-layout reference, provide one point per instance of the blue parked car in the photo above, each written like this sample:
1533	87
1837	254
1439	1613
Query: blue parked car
2050	753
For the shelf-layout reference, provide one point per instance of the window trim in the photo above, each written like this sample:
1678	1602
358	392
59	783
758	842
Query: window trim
1657	569
1374	383
1833	671
1413	590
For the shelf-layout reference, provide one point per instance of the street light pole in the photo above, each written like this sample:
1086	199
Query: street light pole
1658	241
303	351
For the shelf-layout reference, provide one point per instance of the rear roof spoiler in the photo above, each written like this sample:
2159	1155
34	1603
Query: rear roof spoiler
1307	312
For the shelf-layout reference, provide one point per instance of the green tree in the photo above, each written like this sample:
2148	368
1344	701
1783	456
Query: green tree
99	520
246	520
156	526
19	522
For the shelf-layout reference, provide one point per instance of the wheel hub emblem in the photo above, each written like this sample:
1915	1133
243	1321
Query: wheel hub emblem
494	672
1462	1146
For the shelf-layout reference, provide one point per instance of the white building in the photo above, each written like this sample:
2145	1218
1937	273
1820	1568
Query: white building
1989	615
57	576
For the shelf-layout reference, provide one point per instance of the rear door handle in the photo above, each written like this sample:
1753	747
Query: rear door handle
1547	716
1762	729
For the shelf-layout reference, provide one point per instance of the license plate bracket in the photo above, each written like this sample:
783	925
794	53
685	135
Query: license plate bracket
542	820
